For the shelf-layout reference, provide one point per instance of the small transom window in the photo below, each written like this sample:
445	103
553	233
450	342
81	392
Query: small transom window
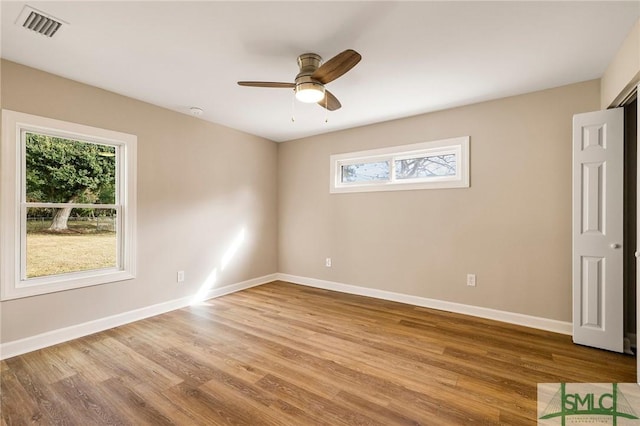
427	165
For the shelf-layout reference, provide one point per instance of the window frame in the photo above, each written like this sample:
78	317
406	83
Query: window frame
458	146
375	159
13	281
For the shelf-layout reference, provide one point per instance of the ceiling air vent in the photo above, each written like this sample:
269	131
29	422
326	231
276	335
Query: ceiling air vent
39	22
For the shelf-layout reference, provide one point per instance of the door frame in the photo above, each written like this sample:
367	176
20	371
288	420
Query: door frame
633	91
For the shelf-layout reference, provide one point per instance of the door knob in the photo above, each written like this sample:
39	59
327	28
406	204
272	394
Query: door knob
615	246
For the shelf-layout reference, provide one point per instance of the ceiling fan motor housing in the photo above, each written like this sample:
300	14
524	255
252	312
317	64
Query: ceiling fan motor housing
308	89
308	63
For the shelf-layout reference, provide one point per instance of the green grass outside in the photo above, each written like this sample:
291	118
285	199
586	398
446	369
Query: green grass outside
83	248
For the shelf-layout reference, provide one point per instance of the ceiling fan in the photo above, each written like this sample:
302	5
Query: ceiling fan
313	75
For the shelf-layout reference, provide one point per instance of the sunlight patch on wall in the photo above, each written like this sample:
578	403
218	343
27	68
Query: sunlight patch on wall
233	249
210	282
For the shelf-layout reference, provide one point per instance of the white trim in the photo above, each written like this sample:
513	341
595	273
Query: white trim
13	281
228	289
633	339
562	327
39	341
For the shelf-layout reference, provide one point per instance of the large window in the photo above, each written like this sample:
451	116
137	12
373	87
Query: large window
68	205
427	165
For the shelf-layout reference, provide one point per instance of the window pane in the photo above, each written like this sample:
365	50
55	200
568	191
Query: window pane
90	241
423	167
366	172
62	170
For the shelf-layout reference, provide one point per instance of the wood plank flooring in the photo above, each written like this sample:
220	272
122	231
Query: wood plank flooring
282	354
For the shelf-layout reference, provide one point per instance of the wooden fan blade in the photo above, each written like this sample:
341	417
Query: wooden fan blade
329	101
336	66
267	84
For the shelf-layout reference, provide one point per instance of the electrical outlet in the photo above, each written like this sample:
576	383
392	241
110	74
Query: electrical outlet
180	276
471	280
327	262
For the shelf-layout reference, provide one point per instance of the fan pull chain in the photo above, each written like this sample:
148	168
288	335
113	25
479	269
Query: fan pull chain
293	107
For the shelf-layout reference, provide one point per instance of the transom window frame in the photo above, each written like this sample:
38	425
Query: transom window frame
13	282
458	146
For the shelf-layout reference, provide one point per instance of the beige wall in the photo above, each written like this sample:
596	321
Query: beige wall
512	227
192	201
623	73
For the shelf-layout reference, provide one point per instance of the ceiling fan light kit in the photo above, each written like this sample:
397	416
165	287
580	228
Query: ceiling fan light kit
309	92
310	81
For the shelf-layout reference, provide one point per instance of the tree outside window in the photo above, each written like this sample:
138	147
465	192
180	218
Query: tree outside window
67	205
70	199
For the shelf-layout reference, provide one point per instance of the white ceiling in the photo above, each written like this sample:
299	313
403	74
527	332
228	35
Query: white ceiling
417	56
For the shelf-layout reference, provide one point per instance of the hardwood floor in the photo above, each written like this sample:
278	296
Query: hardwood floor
282	354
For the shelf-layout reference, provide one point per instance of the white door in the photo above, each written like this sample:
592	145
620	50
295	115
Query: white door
598	149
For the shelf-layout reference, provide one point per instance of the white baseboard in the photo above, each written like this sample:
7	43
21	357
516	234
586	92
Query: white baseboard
39	341
633	339
476	311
